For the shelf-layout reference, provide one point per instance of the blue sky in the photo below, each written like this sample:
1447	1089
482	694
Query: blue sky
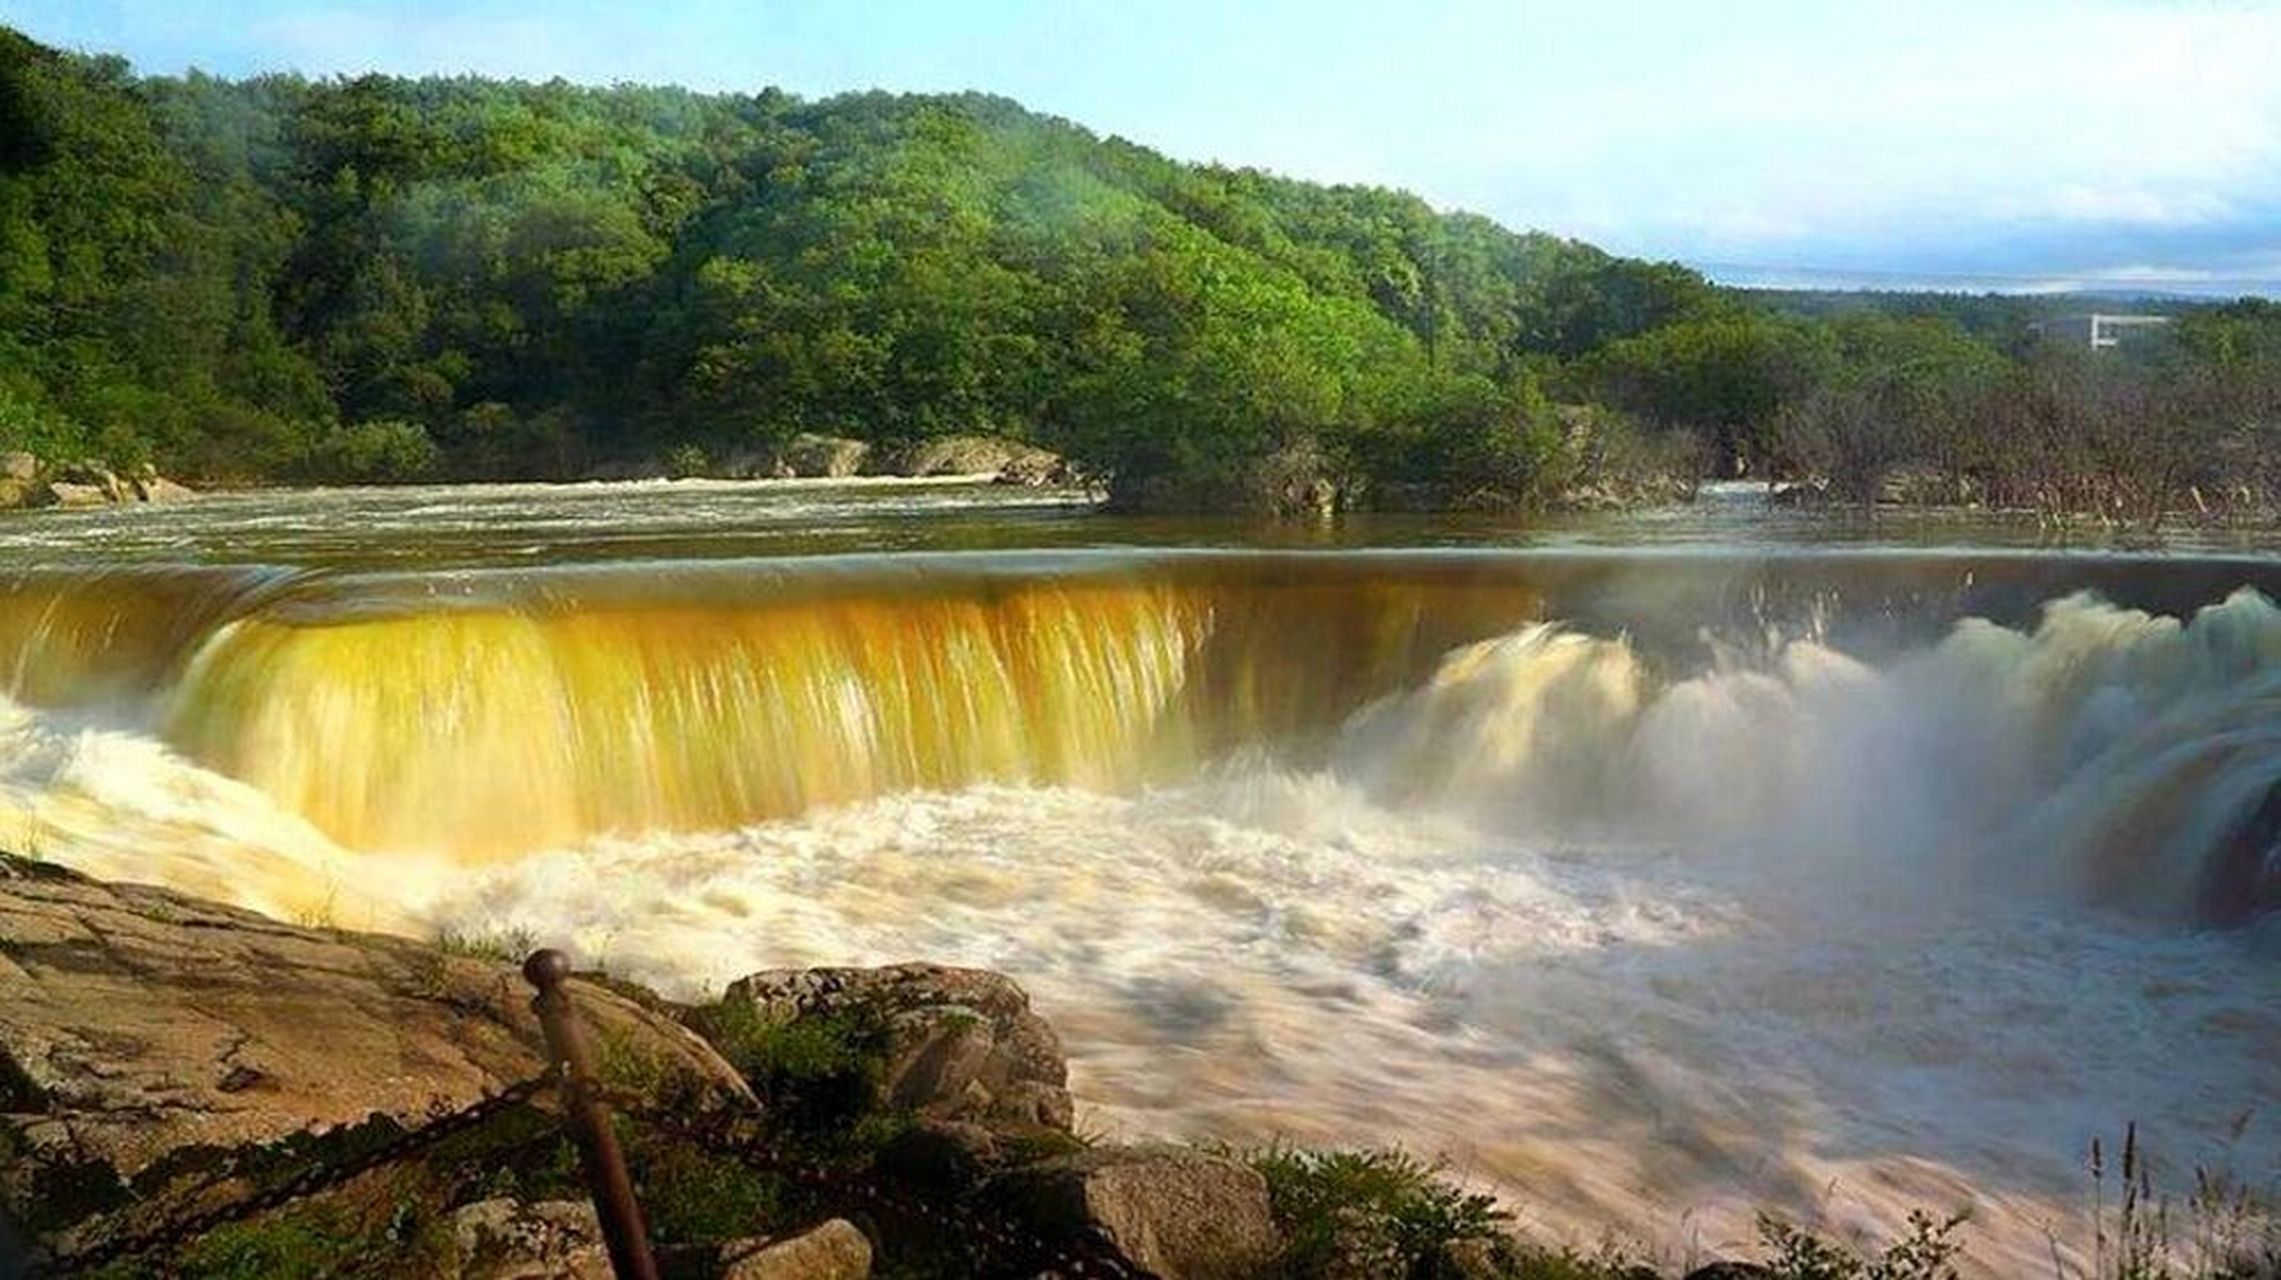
1958	143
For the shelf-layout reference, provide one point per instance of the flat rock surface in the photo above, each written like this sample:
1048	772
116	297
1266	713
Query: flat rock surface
139	1027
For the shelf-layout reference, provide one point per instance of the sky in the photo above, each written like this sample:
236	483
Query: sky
1968	144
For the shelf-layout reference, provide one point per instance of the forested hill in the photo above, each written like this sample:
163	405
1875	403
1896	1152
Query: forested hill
247	278
377	278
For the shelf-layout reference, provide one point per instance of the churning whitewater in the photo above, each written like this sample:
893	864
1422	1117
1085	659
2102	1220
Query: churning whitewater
1836	898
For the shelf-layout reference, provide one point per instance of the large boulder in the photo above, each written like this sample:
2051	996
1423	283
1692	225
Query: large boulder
752	463
18	465
955	1044
149	486
1295	480
91	474
1173	1211
71	496
147	1038
811	456
958	456
505	1239
1039	469
834	1251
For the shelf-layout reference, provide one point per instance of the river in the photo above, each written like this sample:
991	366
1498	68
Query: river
1649	868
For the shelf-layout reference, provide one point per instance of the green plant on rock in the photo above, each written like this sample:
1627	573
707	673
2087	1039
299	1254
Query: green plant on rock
818	1073
1927	1251
692	1196
1324	1199
507	946
399	1234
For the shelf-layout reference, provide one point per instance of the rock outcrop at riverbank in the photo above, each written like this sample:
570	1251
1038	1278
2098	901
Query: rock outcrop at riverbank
809	456
151	1043
27	482
161	1056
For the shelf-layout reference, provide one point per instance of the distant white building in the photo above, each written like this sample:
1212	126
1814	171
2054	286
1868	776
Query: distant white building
2101	331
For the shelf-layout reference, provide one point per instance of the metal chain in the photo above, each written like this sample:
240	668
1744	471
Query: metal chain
736	1133
722	1131
317	1177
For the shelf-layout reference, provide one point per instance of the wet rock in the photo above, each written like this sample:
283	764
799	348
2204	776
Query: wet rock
63	493
821	457
1294	480
145	1036
834	1251
1039	469
15	494
2243	880
87	473
157	488
1177	1212
505	1239
956	456
958	1044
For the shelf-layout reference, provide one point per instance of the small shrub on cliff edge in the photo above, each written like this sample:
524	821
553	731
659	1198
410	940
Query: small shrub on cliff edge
818	1074
1928	1251
1322	1197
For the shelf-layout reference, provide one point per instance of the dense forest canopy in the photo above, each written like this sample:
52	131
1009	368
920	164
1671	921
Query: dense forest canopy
381	278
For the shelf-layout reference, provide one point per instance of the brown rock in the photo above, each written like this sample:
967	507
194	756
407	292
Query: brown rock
505	1239
942	1155
833	1251
63	493
157	488
821	457
1037	469
1008	461
958	1043
19	466
1179	1213
144	1034
90	474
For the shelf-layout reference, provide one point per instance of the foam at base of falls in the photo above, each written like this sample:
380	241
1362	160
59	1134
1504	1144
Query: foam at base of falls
1624	1036
2107	751
1642	948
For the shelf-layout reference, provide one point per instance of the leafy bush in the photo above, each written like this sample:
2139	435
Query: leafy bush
819	1074
1323	1198
389	451
1928	1251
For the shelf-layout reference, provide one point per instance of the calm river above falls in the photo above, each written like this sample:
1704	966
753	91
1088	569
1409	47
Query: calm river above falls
1650	868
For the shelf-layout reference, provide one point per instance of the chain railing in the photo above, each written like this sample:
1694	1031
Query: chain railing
729	1131
317	1177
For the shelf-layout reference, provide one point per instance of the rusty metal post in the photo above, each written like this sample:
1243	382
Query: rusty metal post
605	1165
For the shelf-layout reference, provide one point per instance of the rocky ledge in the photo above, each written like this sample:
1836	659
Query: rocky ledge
27	482
162	1056
809	456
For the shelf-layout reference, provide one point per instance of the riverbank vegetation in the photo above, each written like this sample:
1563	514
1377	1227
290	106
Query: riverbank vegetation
384	280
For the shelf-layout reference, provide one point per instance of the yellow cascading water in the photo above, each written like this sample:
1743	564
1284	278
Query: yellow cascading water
484	732
69	638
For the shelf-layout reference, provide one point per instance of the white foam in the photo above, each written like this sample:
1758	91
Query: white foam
1641	952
